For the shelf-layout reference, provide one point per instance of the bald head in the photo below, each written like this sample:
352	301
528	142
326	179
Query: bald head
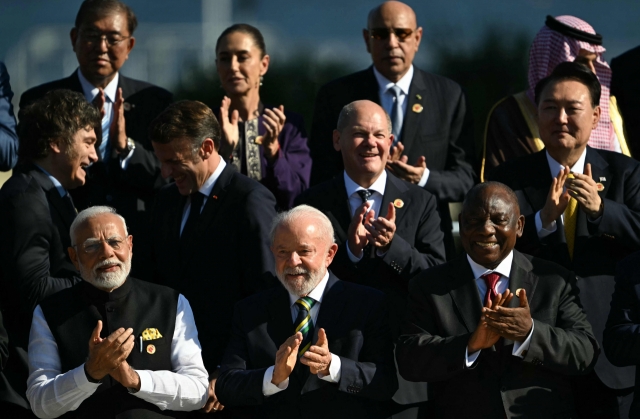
391	9
492	188
352	109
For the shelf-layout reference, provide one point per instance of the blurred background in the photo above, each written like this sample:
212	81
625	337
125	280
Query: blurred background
483	45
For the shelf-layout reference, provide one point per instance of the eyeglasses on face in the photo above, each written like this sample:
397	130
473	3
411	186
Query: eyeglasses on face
92	246
384	33
92	38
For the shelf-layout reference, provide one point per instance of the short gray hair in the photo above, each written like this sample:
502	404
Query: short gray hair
91	212
287	217
347	113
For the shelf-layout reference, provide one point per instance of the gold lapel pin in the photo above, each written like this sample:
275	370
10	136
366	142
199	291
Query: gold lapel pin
418	97
151	349
599	187
398	203
417	108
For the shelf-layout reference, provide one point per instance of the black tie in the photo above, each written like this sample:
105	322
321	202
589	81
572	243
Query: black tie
197	199
365	194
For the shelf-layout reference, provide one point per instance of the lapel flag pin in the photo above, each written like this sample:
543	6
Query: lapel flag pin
151	349
599	187
603	179
419	97
417	108
215	196
398	203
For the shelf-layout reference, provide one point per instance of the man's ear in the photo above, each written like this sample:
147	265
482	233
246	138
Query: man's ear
331	253
520	226
54	145
596	116
365	35
336	140
74	257
207	148
73	35
418	36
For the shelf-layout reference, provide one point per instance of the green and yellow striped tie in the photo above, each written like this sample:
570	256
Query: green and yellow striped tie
303	322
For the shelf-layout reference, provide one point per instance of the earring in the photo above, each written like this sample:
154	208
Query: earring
261	80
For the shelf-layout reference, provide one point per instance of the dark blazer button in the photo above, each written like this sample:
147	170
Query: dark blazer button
110	310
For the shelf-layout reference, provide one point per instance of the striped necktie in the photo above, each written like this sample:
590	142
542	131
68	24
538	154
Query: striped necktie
303	322
396	113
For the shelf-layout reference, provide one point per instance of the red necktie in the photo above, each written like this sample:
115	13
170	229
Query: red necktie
491	280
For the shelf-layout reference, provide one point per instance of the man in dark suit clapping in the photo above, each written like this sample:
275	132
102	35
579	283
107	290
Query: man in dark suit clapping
210	226
512	357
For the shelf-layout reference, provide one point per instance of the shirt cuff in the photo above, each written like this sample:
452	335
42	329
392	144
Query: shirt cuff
470	359
82	382
268	388
352	258
334	370
424	178
520	349
543	232
146	382
124	162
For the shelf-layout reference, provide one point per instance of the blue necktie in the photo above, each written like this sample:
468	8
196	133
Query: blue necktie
106	124
396	113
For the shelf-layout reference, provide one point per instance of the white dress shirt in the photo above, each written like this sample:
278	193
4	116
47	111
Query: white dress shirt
375	201
504	269
61	190
206	189
110	92
268	388
387	100
555	168
52	393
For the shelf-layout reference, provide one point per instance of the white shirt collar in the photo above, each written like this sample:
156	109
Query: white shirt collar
316	293
377	186
555	167
504	268
61	190
90	91
208	185
384	83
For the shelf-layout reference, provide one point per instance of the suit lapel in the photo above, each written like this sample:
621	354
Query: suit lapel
394	189
53	196
417	96
600	174
280	326
333	302
465	294
521	277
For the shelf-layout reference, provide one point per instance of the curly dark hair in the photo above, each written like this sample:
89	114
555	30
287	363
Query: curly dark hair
188	120
101	8
59	115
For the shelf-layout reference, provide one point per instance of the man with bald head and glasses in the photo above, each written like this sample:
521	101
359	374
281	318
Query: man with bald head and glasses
143	357
433	144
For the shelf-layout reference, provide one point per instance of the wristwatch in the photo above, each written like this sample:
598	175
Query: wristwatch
131	145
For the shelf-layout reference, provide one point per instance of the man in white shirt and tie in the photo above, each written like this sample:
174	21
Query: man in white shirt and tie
496	333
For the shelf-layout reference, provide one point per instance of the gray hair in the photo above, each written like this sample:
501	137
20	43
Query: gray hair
91	212
347	113
287	217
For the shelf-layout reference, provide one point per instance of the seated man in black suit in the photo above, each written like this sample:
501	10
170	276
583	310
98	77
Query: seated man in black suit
128	174
143	357
512	357
57	138
317	347
387	230
210	226
434	145
583	212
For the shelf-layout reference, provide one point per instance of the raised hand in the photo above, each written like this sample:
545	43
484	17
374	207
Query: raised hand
286	358
557	199
117	130
405	171
584	189
396	151
511	323
484	337
318	357
230	131
357	233
380	231
105	355
126	376
273	122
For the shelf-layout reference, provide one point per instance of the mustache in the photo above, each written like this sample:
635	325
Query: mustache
108	263
299	270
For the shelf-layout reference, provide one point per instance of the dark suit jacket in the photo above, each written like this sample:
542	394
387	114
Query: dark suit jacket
33	262
442	133
417	244
598	245
625	86
354	318
622	337
444	310
8	136
226	260
129	191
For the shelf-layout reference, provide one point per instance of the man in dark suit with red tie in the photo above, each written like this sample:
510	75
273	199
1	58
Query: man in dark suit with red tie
57	142
514	356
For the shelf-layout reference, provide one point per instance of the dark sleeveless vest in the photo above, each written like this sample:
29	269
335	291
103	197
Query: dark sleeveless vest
73	313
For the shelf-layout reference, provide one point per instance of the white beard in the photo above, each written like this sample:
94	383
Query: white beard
106	281
303	287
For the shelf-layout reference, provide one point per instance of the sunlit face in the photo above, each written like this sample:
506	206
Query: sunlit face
102	251
489	227
302	255
566	116
70	161
240	63
97	59
178	161
365	142
393	56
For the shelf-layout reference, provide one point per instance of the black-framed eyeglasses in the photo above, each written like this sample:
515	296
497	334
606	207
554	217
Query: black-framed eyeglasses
95	38
91	246
384	33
